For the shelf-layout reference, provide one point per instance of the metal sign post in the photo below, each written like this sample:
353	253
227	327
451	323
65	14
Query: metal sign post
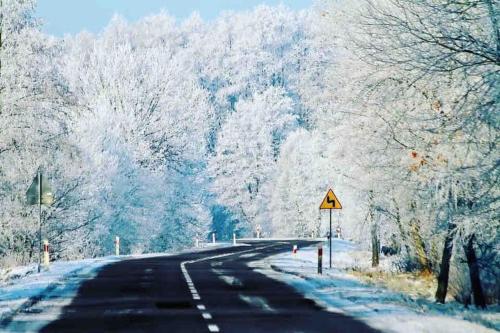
39	176
330	238
330	202
39	193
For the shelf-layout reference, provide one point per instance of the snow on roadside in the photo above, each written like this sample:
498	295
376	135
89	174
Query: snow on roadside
380	308
21	287
24	283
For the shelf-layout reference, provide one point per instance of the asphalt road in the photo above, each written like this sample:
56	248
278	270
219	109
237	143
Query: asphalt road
210	291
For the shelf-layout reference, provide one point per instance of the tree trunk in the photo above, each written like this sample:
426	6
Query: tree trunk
374	233
444	271
418	242
375	245
404	238
475	280
420	250
494	24
1	53
375	242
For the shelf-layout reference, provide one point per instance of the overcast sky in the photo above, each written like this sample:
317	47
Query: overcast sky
72	16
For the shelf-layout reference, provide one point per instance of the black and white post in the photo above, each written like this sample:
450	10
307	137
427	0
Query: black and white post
320	259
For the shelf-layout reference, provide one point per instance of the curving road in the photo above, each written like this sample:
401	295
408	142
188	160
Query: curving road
210	291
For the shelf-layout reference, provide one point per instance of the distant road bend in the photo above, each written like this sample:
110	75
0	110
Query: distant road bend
209	291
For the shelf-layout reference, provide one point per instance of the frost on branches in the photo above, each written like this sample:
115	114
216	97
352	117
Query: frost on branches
161	131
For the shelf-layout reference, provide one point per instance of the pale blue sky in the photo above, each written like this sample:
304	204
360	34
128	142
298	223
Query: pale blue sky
72	16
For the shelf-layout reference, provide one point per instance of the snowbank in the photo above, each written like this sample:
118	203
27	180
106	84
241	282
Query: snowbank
23	286
337	291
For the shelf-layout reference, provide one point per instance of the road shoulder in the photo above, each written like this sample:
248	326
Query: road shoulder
378	307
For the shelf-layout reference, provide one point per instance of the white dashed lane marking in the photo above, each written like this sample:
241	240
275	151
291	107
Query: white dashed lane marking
213	328
196	296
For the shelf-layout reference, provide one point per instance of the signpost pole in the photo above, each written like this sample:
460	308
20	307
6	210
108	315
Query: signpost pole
39	193
330	202
39	220
330	240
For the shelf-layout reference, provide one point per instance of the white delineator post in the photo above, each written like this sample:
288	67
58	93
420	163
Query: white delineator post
117	245
213	237
234	239
46	258
294	250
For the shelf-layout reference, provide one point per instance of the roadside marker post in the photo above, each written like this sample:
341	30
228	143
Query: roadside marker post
330	202
320	259
117	245
234	238
339	232
213	238
196	242
295	249
46	258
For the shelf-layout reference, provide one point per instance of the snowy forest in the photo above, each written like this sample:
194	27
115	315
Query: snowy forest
160	131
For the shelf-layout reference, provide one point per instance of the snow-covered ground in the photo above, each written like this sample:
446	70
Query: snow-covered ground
23	287
337	291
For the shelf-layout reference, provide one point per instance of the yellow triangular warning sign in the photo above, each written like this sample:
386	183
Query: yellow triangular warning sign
330	201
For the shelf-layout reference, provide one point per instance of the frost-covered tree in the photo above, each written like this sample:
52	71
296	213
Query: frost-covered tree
159	131
426	73
245	160
138	130
31	126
